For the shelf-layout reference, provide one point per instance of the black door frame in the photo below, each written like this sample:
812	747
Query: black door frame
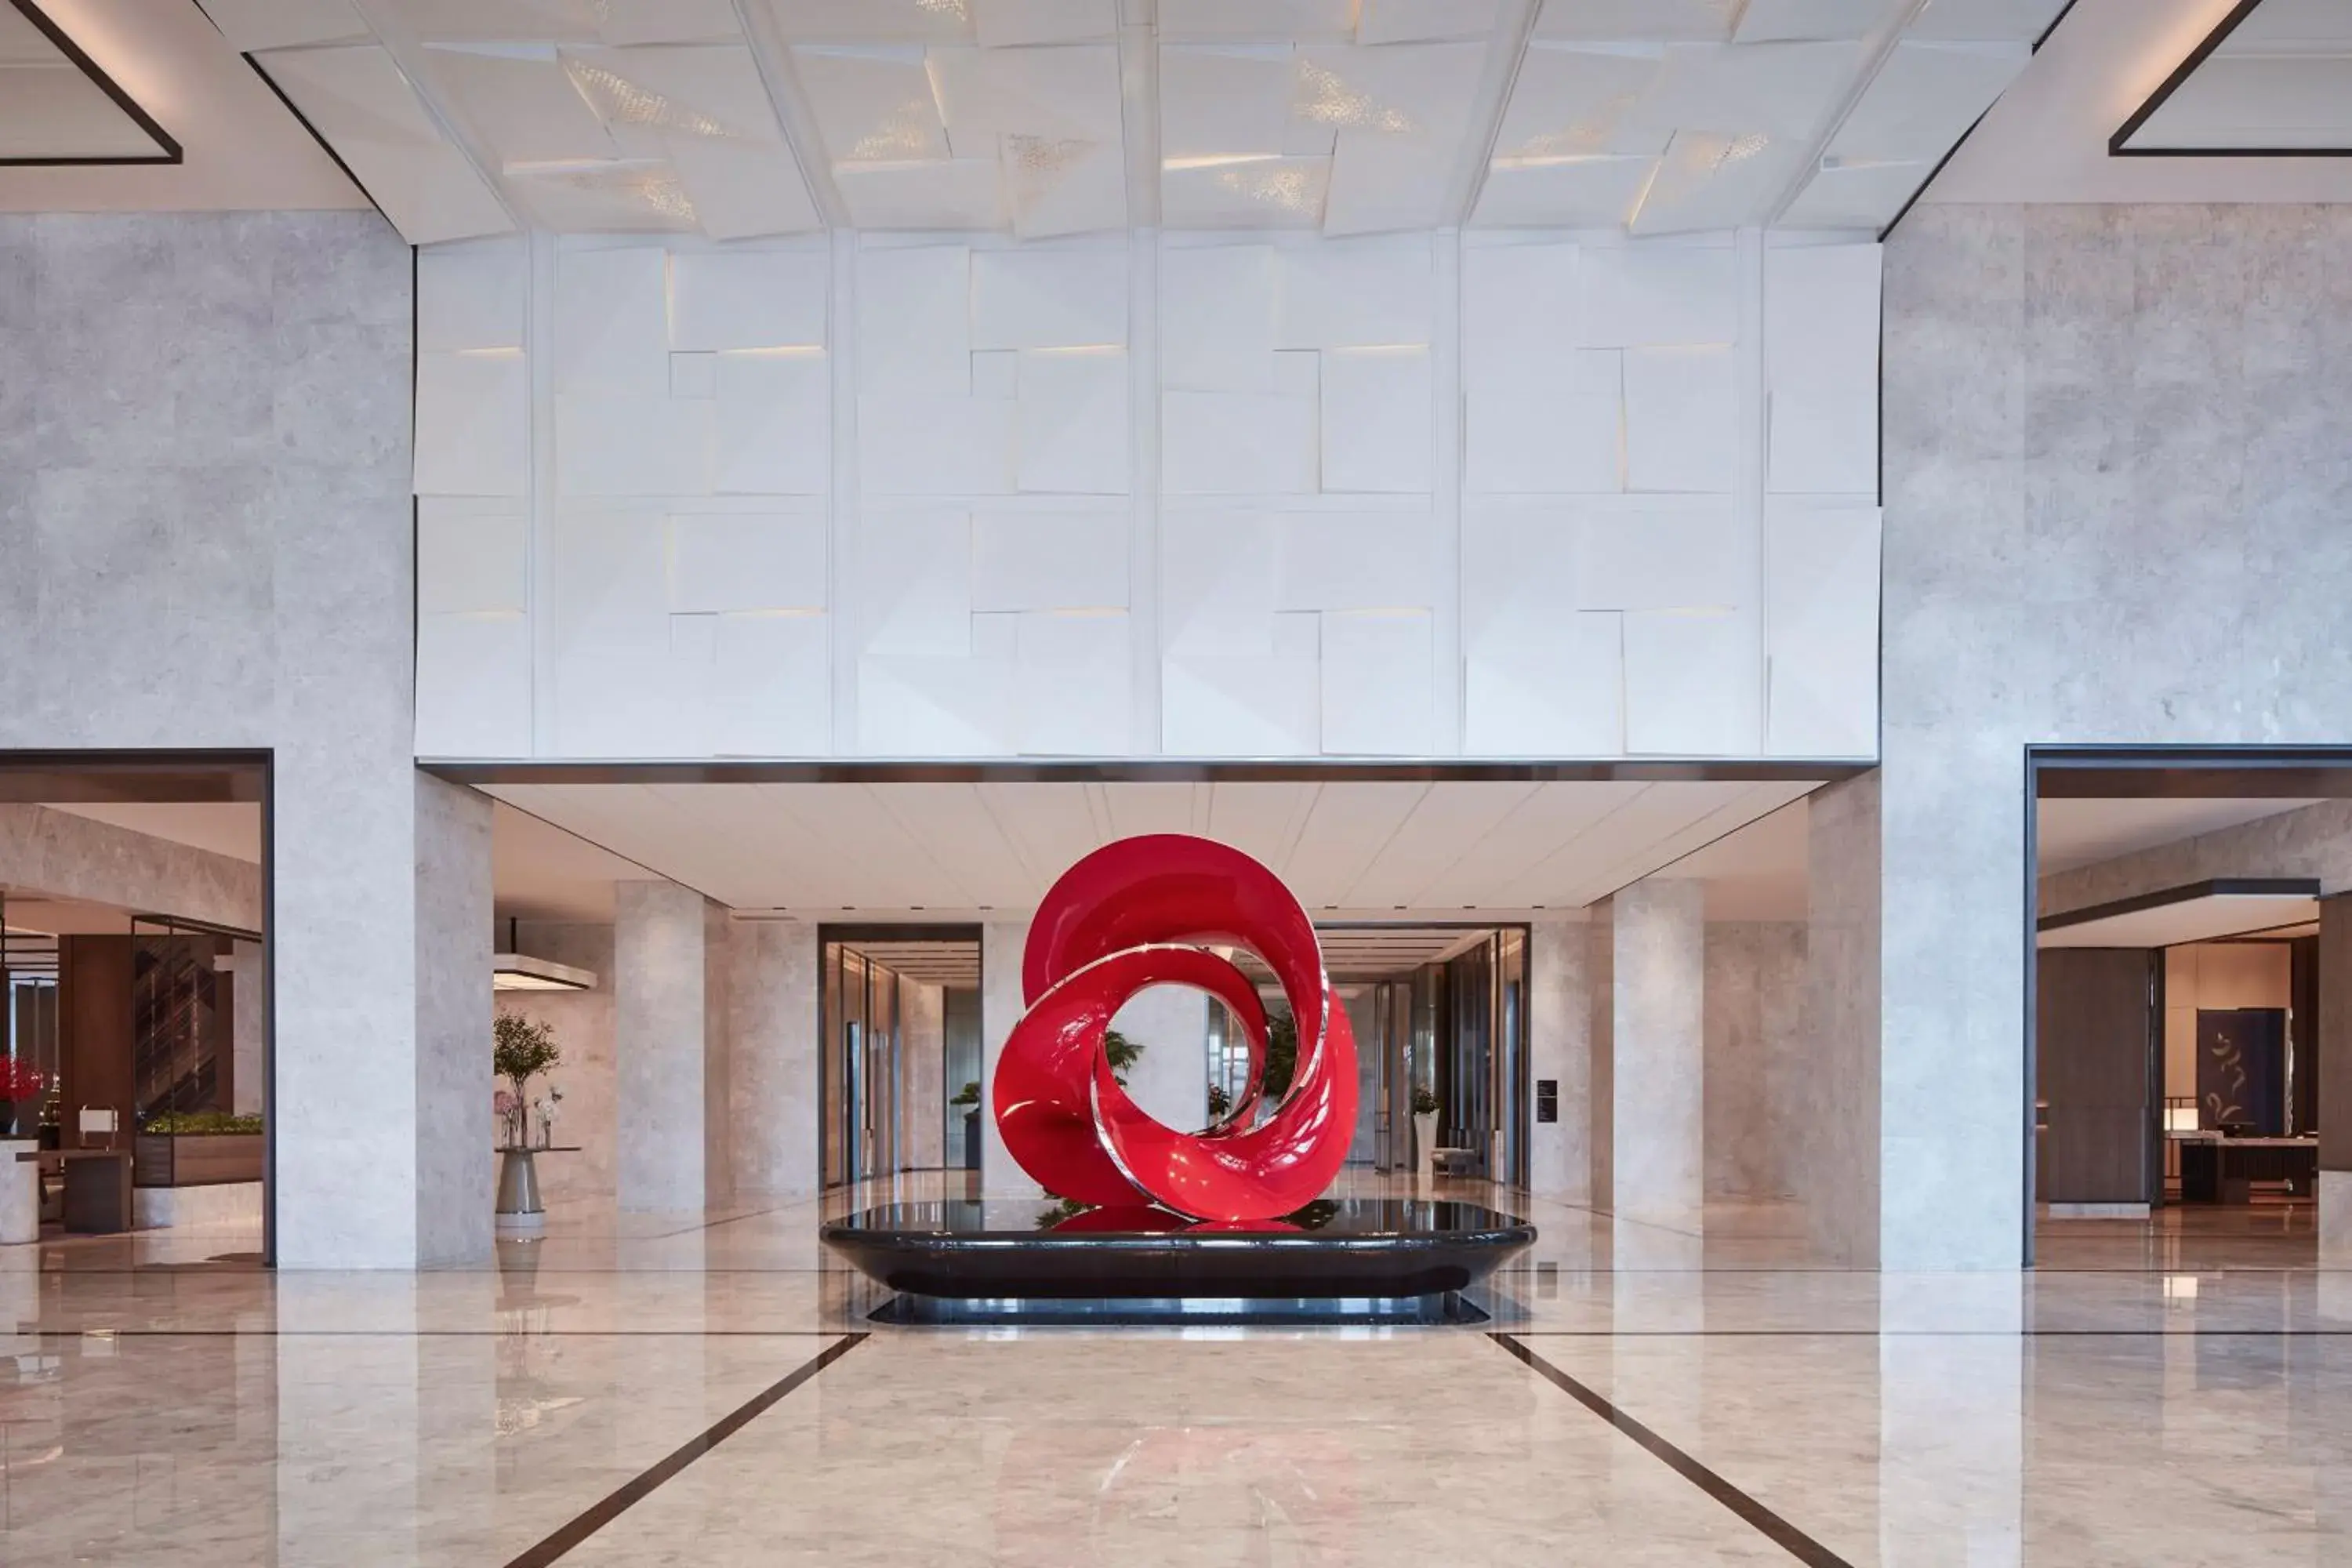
179	776
2146	771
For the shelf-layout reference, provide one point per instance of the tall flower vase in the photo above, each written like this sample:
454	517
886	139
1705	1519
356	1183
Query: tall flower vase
1424	1144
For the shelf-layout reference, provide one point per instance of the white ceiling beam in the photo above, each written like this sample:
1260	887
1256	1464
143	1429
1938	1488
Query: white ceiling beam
1876	49
1139	96
407	51
1515	24
803	138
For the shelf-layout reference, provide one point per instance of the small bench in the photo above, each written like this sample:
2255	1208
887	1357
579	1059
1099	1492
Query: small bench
1447	1162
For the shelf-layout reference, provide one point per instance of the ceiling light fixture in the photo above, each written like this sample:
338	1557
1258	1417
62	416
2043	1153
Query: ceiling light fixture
1325	99
512	971
620	101
519	972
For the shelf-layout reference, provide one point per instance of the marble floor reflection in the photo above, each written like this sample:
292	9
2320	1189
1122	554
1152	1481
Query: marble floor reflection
2177	1390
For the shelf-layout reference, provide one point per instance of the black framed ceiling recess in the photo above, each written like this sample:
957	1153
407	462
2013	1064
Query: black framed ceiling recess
167	148
2119	145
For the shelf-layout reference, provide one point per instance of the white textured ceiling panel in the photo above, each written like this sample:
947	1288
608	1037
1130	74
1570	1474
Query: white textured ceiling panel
360	103
1354	845
1050	118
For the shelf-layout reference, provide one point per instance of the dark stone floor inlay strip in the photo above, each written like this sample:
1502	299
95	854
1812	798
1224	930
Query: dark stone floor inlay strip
1783	1534
636	1490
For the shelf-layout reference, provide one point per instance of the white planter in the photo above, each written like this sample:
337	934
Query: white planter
1424	1144
20	1192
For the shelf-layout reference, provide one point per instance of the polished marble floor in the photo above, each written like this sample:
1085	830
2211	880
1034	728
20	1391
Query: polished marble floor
706	1389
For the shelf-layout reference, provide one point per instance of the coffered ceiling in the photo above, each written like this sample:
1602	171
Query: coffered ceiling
735	118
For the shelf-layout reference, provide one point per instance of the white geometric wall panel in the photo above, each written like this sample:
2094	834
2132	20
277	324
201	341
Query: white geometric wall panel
735	118
1231	495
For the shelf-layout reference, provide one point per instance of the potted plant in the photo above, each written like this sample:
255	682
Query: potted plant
1424	1132
20	1097
521	1049
969	1097
197	1149
1121	1053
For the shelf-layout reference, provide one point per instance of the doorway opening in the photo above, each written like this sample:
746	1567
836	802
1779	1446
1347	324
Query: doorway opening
2179	980
135	1060
899	1050
1439	1014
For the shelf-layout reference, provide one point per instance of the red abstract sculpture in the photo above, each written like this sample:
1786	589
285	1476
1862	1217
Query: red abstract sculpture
1115	922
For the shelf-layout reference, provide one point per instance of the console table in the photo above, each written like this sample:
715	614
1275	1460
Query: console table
2216	1170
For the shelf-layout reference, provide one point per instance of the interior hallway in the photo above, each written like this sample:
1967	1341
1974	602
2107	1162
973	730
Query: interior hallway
2154	1392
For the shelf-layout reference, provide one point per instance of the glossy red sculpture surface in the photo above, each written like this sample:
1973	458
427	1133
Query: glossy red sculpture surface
1127	917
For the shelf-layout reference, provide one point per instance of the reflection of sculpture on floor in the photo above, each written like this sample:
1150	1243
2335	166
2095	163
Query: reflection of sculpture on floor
1115	923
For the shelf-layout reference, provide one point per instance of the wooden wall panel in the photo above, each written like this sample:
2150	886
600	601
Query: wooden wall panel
94	1029
2096	1045
2335	1032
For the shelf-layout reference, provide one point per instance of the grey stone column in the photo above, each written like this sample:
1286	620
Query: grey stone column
454	1079
774	1092
1836	1163
1559	1049
2336	1081
1601	1013
1000	1007
922	1073
1658	1125
663	1039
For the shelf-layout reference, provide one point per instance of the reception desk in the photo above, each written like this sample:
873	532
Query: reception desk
2218	1170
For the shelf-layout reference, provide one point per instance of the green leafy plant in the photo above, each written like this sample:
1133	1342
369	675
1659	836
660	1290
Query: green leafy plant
200	1123
1063	1208
1425	1103
1281	1054
1121	1053
522	1048
968	1095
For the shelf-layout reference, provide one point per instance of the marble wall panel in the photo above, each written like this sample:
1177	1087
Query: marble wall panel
2113	499
1559	1047
1757	1075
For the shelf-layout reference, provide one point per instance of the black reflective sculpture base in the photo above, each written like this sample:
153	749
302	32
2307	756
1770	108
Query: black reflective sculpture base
1353	1261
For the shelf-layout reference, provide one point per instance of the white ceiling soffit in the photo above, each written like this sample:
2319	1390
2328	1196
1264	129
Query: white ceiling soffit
2048	139
2070	833
1760	873
1041	117
2275	78
1354	846
2201	912
193	128
57	105
224	827
539	872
